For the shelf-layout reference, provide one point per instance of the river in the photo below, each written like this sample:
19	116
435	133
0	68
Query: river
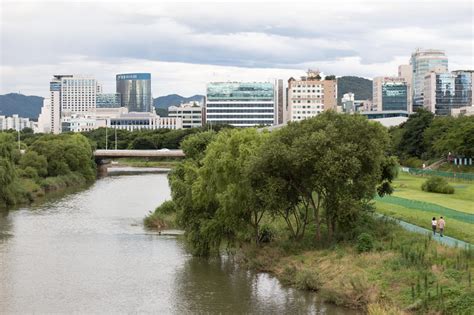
87	252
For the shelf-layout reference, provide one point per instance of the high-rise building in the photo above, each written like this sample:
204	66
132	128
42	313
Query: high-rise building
240	104
135	91
390	93
311	95
190	113
280	102
70	94
445	91
422	62
108	100
406	72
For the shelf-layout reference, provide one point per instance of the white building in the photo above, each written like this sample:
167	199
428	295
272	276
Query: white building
190	113
78	122
69	94
15	123
310	96
143	120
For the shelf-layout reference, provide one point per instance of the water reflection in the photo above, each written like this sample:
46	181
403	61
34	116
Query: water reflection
88	253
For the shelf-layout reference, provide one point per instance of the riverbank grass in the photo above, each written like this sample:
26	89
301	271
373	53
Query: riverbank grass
135	162
164	217
404	271
411	204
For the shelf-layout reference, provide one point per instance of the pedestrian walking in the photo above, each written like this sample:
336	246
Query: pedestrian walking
434	224
441	225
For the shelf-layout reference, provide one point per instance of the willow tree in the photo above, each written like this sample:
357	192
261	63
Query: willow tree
329	163
8	176
224	180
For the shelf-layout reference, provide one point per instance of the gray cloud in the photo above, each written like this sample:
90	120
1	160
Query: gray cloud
366	38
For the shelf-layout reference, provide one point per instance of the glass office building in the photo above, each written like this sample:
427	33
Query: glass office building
240	104
135	91
452	90
108	100
394	96
422	62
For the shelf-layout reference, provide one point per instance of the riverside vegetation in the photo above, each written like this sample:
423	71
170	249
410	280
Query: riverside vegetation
297	202
49	162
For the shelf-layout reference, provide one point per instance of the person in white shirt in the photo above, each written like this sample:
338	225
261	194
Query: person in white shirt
434	224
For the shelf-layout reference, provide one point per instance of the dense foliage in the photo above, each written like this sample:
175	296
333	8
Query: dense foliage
437	184
143	139
48	162
425	137
319	172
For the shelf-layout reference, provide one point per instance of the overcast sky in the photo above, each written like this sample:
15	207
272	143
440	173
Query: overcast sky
185	45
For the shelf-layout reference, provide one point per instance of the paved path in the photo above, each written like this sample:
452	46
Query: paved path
446	240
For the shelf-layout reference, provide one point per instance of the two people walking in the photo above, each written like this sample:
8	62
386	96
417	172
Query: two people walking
438	223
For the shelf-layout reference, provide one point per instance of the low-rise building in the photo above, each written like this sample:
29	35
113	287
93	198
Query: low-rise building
143	120
15	122
190	113
311	95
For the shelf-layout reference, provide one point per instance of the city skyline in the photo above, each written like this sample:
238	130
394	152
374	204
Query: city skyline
184	46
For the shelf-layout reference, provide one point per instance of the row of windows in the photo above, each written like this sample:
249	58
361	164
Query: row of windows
243	122
256	110
308	101
309	106
239	105
308	112
308	91
269	116
309	85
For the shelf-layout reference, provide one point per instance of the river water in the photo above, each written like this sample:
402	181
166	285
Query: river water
88	252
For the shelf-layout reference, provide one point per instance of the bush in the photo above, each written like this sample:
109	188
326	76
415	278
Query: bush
437	185
308	280
267	234
365	243
412	162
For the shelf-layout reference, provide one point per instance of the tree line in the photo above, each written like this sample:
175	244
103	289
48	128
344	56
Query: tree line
41	163
143	139
318	174
425	136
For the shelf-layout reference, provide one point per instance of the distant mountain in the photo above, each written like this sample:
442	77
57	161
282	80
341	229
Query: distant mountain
174	99
361	87
24	106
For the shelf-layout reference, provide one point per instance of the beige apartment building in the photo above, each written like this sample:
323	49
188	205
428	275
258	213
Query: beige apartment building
311	95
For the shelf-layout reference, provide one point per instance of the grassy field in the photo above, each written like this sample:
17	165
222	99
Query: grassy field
411	204
405	273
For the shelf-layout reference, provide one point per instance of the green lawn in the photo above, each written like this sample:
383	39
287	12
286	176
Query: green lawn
413	205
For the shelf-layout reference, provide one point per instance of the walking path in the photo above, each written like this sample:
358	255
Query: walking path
446	240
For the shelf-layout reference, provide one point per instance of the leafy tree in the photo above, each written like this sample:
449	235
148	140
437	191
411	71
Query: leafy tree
33	160
8	176
412	143
455	135
194	146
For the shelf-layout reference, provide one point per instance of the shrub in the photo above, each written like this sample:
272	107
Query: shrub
267	234
365	243
308	280
437	184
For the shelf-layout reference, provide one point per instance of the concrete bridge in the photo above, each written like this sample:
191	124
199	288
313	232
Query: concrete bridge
116	154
